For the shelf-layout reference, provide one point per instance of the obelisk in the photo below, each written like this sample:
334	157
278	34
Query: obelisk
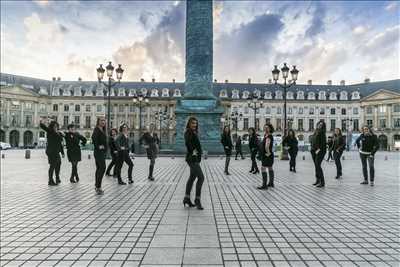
198	99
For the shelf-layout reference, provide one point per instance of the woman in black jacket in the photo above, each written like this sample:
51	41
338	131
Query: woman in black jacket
113	152
193	158
368	145
339	145
53	149
238	147
226	141
73	140
122	144
318	151
330	148
292	145
253	145
99	140
151	143
266	155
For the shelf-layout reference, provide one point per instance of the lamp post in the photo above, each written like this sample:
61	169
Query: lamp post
160	116
255	104
110	84
285	73
349	122
236	116
140	98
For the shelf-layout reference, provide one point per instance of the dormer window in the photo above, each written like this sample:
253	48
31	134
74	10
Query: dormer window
223	93
321	95
289	95
177	93
43	91
343	95
245	95
355	95
235	94
143	91
132	92
267	95
77	91
300	95
121	92
165	92
278	95
311	96
332	96
154	93
66	92
257	93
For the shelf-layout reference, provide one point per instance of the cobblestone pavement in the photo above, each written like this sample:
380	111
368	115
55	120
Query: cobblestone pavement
145	224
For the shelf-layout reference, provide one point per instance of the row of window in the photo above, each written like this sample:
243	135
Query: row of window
300	110
322	95
119	92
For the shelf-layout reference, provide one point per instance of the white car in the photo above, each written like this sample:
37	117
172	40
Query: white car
4	146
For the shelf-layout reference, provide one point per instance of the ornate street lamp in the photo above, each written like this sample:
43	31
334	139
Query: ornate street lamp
109	85
140	98
285	73
255	103
161	116
236	116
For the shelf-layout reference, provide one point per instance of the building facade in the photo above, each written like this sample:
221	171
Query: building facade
25	100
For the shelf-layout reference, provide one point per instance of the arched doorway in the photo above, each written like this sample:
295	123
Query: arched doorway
28	138
383	142
2	136
14	138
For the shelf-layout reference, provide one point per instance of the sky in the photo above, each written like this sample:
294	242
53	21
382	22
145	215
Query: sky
336	41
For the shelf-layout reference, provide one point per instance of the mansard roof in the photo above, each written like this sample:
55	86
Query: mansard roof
89	87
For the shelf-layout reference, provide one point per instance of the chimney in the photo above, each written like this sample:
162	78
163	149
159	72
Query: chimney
248	80
54	79
215	80
309	82
142	80
329	82
342	82
270	81
173	80
153	80
226	81
367	80
58	78
79	79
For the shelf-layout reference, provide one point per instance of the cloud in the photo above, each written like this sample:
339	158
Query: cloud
391	6
383	44
359	30
317	24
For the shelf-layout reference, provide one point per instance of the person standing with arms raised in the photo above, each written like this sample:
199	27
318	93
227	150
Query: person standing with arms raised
226	141
193	159
99	140
73	142
318	151
151	142
53	149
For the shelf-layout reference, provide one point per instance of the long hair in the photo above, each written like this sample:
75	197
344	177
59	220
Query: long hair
253	131
321	130
271	128
190	120
292	131
52	124
98	122
113	130
121	128
226	133
340	131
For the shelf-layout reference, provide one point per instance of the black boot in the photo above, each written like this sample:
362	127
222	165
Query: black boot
198	204
271	178
151	169
120	182
77	178
72	180
264	184
186	201
58	181
51	182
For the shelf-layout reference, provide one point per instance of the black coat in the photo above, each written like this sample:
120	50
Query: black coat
192	143
226	141
54	141
238	144
367	144
318	141
122	143
292	144
151	142
72	142
339	143
263	151
112	146
253	143
99	140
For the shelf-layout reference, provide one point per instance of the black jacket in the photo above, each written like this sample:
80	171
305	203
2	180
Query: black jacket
226	141
151	142
54	141
330	143
253	143
318	141
292	143
192	143
262	151
122	143
112	146
367	144
238	144
339	143
72	142
99	140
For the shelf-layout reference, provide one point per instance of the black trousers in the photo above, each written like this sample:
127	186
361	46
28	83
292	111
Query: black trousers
123	156
329	155
317	159
239	152
336	156
74	171
55	165
254	166
100	158
227	160
292	162
112	164
195	172
368	160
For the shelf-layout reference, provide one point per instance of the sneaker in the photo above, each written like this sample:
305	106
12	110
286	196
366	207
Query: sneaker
130	181
372	183
51	182
364	182
99	191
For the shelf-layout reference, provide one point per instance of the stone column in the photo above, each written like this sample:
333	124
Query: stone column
35	120
376	123
22	125
389	116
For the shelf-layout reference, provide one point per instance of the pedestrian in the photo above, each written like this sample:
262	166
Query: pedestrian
122	145
73	142
99	140
368	145
226	141
238	147
266	155
193	159
330	148
53	149
339	145
114	153
253	145
151	142
293	147
318	151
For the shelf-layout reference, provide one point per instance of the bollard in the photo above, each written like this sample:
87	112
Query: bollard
27	154
386	157
3	156
342	157
173	157
88	156
304	157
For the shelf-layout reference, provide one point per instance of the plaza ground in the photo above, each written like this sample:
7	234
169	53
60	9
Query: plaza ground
145	224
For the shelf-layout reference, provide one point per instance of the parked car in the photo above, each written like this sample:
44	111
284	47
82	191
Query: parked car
4	146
